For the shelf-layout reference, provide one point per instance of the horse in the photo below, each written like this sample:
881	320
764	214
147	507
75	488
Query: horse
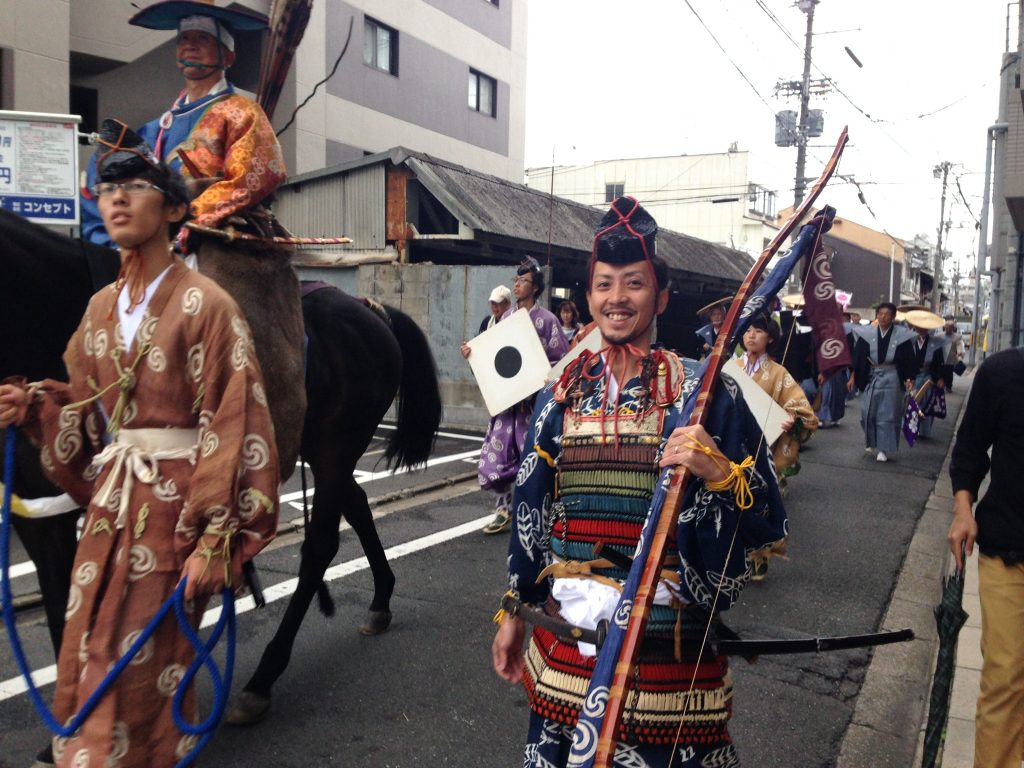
359	359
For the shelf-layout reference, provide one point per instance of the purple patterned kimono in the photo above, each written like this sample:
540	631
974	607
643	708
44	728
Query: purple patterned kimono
503	444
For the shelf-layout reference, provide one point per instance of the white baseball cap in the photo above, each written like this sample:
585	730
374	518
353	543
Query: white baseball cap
501	294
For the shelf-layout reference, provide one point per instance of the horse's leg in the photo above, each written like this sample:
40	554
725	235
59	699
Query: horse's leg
318	549
357	514
51	543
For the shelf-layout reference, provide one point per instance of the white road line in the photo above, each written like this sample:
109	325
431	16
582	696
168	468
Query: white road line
453	435
22	569
366	477
294	499
17	686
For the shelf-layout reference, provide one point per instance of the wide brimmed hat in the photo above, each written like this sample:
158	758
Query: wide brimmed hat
909	307
122	152
792	300
923	318
167	14
723	302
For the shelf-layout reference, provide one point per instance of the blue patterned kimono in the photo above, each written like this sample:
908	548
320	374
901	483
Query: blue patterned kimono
928	358
882	391
580	484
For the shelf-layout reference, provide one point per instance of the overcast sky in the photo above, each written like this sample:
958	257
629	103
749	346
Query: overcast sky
633	79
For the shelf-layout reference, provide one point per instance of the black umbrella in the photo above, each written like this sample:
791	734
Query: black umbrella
949	618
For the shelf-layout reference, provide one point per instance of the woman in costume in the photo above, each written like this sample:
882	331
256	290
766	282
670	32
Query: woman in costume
799	420
164	432
929	355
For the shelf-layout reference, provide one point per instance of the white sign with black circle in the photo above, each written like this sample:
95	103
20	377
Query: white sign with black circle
508	362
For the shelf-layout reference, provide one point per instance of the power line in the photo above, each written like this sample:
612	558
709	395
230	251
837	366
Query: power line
963	199
876	121
727	56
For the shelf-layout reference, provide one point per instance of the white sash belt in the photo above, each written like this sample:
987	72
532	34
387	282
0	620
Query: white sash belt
586	602
137	454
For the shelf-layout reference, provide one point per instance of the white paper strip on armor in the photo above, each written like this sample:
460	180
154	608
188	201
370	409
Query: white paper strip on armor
508	362
766	411
592	342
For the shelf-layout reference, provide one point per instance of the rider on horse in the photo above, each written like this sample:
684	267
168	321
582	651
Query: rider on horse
211	131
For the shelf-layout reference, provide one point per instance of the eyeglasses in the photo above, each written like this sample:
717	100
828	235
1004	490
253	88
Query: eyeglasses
522	279
131	188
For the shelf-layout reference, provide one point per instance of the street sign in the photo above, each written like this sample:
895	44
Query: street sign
39	166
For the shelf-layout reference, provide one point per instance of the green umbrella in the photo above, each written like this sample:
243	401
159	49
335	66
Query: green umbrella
949	618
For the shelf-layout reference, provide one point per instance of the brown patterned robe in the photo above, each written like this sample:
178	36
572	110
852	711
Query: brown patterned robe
197	371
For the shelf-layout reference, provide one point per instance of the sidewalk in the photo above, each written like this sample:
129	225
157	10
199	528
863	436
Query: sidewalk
959	747
887	728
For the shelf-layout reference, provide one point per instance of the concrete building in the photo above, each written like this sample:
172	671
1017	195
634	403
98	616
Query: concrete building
714	197
445	76
1006	247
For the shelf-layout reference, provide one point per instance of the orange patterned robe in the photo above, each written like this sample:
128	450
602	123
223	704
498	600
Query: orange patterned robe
191	377
225	136
232	140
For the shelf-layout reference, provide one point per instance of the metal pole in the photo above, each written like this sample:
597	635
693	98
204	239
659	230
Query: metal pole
980	267
943	169
799	184
892	268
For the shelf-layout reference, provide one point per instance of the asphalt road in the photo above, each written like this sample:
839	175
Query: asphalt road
424	694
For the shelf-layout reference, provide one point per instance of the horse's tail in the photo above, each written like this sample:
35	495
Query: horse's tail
419	397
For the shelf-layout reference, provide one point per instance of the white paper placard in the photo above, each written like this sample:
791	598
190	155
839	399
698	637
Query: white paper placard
508	362
767	412
591	342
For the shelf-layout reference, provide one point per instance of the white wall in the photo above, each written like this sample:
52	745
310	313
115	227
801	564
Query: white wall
677	190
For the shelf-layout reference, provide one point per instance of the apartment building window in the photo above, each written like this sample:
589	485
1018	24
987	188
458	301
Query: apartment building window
483	91
614	191
380	46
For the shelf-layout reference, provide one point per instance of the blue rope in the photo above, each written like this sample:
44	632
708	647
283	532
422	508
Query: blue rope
221	683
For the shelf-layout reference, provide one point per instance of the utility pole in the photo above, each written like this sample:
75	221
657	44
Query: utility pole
940	171
800	184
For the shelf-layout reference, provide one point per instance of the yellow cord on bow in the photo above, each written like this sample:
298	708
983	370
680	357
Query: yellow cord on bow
502	614
735	479
737	482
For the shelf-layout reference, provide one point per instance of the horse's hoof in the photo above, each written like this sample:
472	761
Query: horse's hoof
377	622
249	708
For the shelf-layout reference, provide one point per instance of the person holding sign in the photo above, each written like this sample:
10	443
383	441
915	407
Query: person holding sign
503	442
595	444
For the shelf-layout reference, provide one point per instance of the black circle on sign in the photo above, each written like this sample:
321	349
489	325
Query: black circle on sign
508	362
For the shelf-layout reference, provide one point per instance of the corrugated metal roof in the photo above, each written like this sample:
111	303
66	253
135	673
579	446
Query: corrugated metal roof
499	207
